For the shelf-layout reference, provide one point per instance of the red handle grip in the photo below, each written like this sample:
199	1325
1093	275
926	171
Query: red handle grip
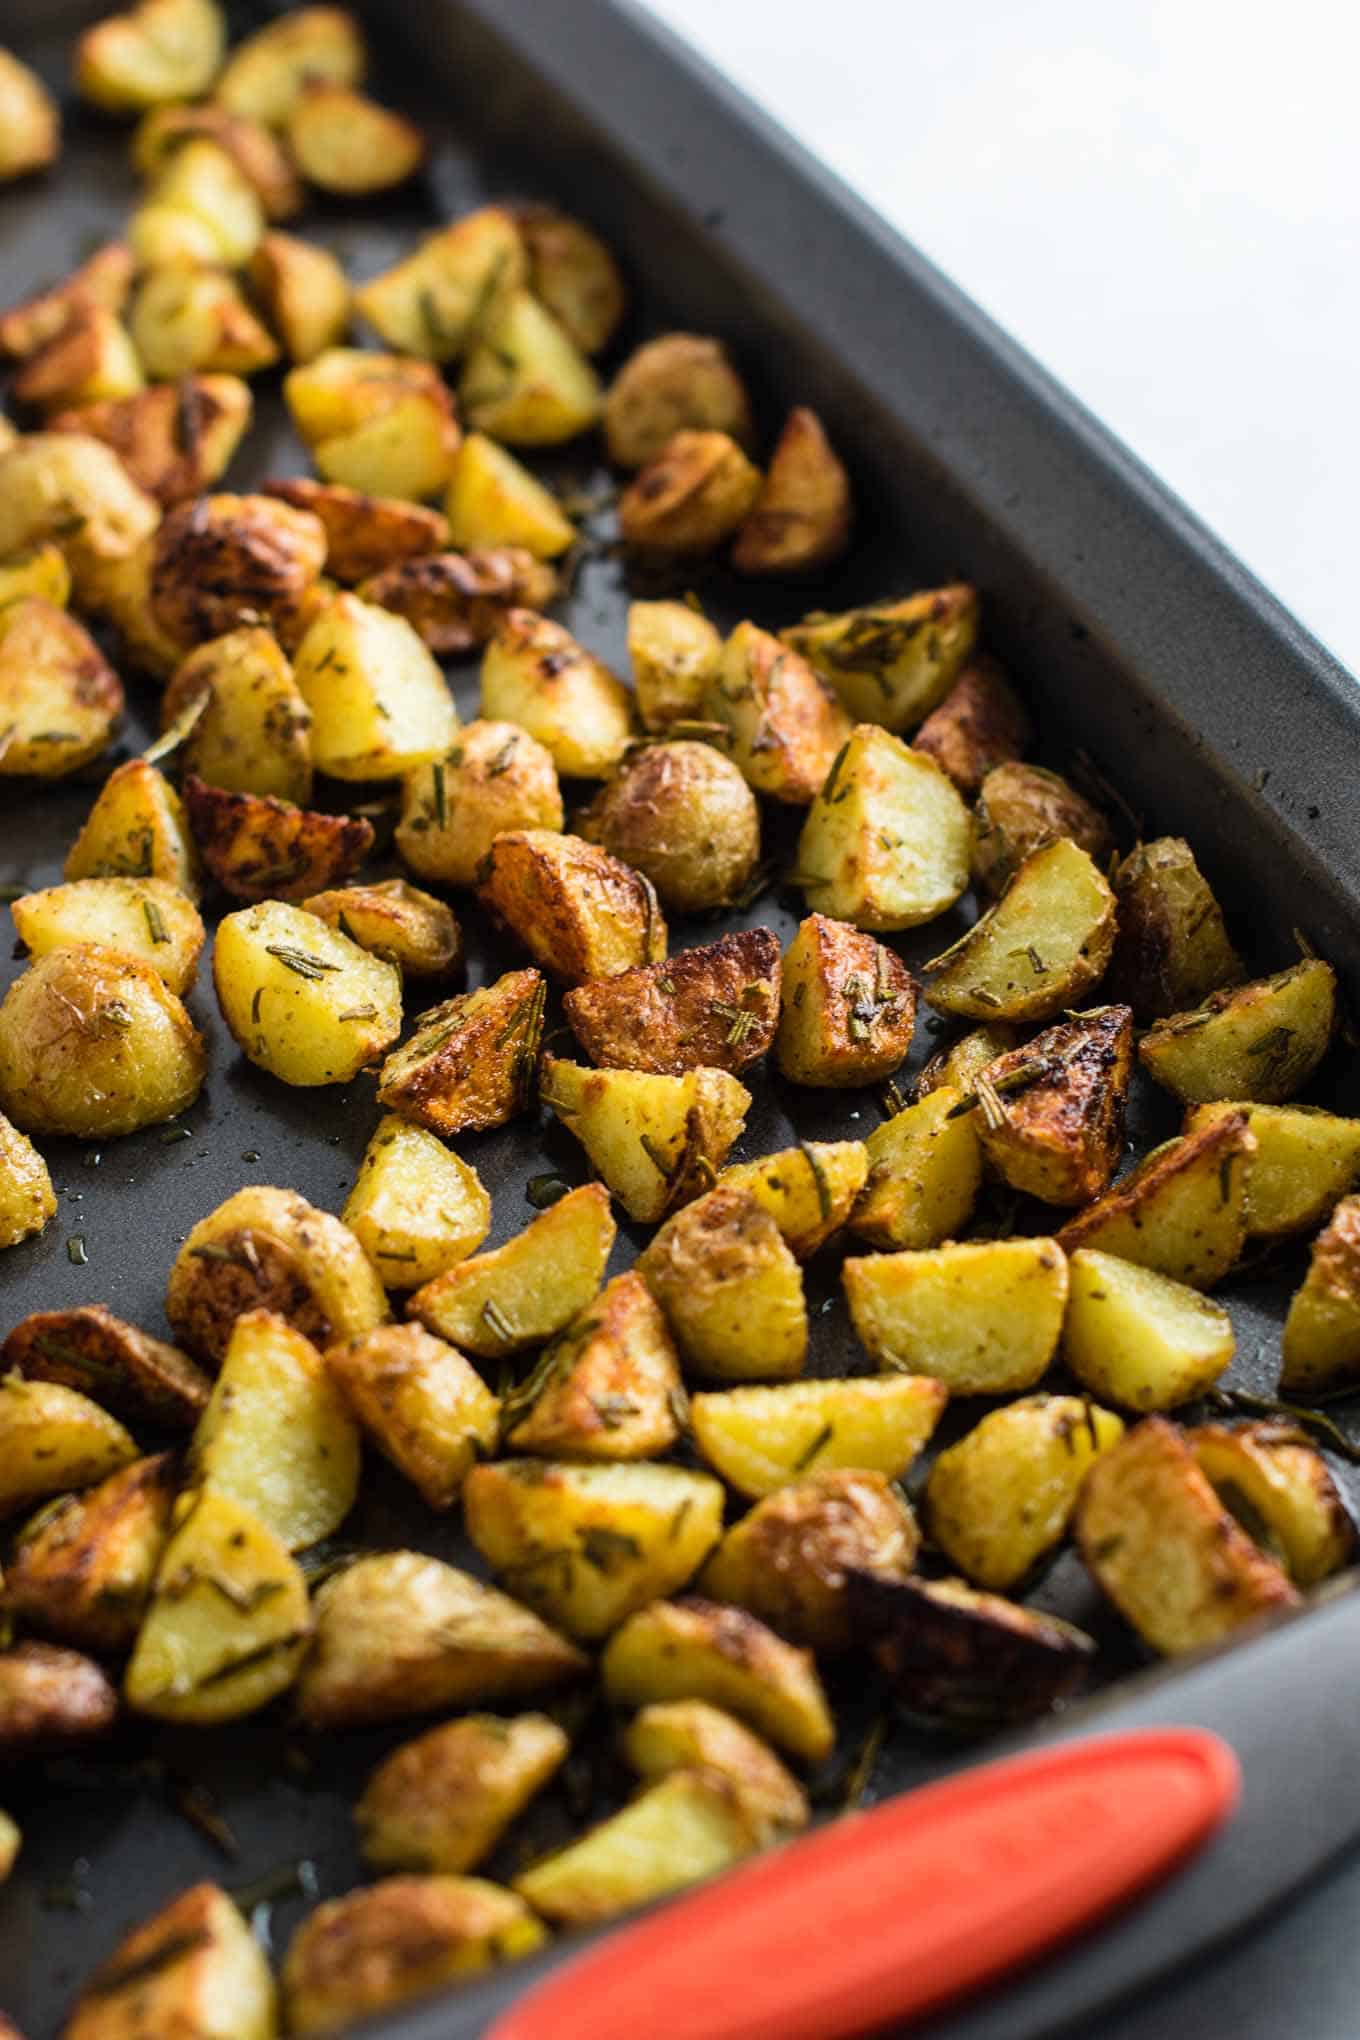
886	1915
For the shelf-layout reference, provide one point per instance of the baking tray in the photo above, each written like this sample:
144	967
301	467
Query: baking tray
1149	656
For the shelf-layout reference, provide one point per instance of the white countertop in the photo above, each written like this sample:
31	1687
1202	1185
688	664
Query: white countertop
1159	199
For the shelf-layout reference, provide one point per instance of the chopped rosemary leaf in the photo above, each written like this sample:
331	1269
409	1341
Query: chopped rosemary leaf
174	1133
441	803
543	1191
496	1322
819	1178
75	1250
155	925
813	1448
180	728
301	961
359	1013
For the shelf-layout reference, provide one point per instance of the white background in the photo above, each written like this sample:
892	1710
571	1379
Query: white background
1159	198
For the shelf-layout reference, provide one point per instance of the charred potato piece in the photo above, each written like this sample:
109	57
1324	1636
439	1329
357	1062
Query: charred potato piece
525	381
1305	1161
395	921
267	1249
41	571
716	1006
885	843
380	705
435	301
457	601
200	186
656	1140
266	75
980	724
27	1199
1137	1337
345	142
523	1293
731	1289
1162	1547
258	154
925	1171
959	1066
1039	949
967	1659
801	518
254	733
786	728
364	534
675	383
51	1698
299	998
1320	1345
892	662
1278	1486
104	278
73	489
144	917
849	1006
188	319
693	1649
122	597
674	652
1003	1496
535	674
194	1970
1182	1211
303	292
787	1561
82	1570
470	1063
759	1439
1020	807
54	1438
93	1044
426	1407
578	911
398	1633
160	50
682	1735
260	848
493	500
226	561
174	440
607	1388
1173	948
689	1825
497	777
30	121
59	697
1261	1042
681	814
119	1365
1051	1114
136	829
573	273
691	498
808	1190
984	1318
90	361
443	1801
416	1208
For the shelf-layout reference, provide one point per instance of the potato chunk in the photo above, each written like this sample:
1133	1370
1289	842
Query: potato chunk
160	50
456	601
416	1208
443	1801
175	439
203	181
525	381
1039	949
52	1439
1052	1113
580	912
260	848
1020	808
254	734
787	1561
801	518
51	1698
380	705
59	697
1173	948
536	675
1182	1211
693	1649
470	1063
300	999
1261	1042
30	120
194	1970
27	1199
959	1066
90	361
1140	1339
303	292
573	273
144	917
435	301
1160	1544
383	423
674	651
689	1825
394	921
808	1190
1320	1345
71	488
730	1287
965	1659
266	75
1003	1496
398	1633
427	1407
849	1006
759	1439
690	1735
715	1006
93	1044
786	727
136	829
691	498
885	844
345	142
258	154
1305	1161
983	1318
683	815
526	1291
675	383
980	724
925	1171
1278	1486
493	500
87	1348
83	1570
607	1388
188	319
656	1140
226	561
364	534
497	777
892	662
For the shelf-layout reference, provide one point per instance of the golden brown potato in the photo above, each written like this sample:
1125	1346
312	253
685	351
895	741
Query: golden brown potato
497	777
416	1208
103	278
759	1439
682	1735
1043	945
965	1659
266	75
494	501
984	1317
201	206
82	1570
1051	1114
226	561
188	319
1139	1339
30	121
267	1249
345	142
1020	807
573	273
40	571
260	848
1260	1041
525	381
71	488
136	829
683	815
457	601
1305	1161
254	733
980	724
578	911
380	705
54	1438
59	697
885	843
1182	1211
801	518
144	917
716	1006
50	1698
1172	949
434	302
91	360
786	727
382	423
523	1293
426	1407
694	495
398	1633
364	534
470	1063
849	1006
607	1388
87	1348
303	292
299	998
960	1064
27	1199
1320	1345
891	662
925	1171
808	1190
257	153
1278	1486
160	50
394	921
731	1290
677	382
674	652
121	597
194	1970
175	439
11	1841
443	1801
657	1141
534	673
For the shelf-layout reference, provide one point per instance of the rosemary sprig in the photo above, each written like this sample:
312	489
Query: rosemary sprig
300	961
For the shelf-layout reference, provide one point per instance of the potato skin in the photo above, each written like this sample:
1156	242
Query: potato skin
83	1574
174	439
1021	806
442	1801
966	1658
683	815
51	1697
580	912
786	726
345	142
364	534
573	273
606	1388
30	122
59	697
225	561
801	518
470	1064
457	601
691	497
980	724
676	382
730	1287
260	848
714	1007
427	1407
1060	1136
395	922
136	1377
1173	948
496	777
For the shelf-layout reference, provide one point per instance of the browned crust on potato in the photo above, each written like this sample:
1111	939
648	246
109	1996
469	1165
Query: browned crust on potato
801	725
456	601
1019	808
682	813
960	1655
50	1697
426	940
364	533
980	724
557	892
1224	1138
1062	1133
243	1270
257	154
89	1349
466	1071
68	360
691	497
868	1009
225	561
715	1007
85	1572
168	437
37	631
261	848
801	518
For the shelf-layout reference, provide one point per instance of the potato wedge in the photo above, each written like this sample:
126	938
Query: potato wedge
1260	1042
925	1171
470	1063
674	652
578	911
227	561
30	120
1278	1486
344	142
188	319
456	602
1138	1338
1320	1344
435	301
959	1066
426	1407
848	1007
759	1439
681	1735
303	292
59	697
103	278
786	727
443	1801
715	1006
983	1318
364	534
53	1439
159	51
175	439
258	154
1182	1211
573	273
523	1293
675	383
1021	807
1305	1161
1172	949
536	675
82	1570
382	423
137	828
731	1289
964	1659
691	498
980	724
91	361
808	1190
1039	949
398	1633
1051	1114
496	777
1003	1496
885	844
254	734
681	814
801	518
493	500
525	381
693	1649
300	999
148	918
73	489
395	921
1160	1544
607	1388
51	1698
689	1825
892	662
27	1199
194	1969
259	848
266	75
416	1208
656	1140
380	705
139	1378
40	571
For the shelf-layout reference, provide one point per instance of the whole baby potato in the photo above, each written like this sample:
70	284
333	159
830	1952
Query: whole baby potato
682	815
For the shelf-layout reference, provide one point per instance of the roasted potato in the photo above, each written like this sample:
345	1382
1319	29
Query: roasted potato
980	724
1172	949
759	1439
27	1199
1320	1344
536	675
493	500
1051	1114
11	1841
144	917
382	423
300	999
395	921
53	1439
688	1825
496	777
41	571
194	1970
73	489
470	1063
82	1570
849	1006
425	1406
1039	949
226	561
657	1141
526	1291
801	518
675	383
607	1388
1157	1540
121	597
103	278
692	497
525	381
50	1698
436	300
258	154
579	912
345	142
925	1171
573	273
892	662
364	534
1279	1488
160	50
683	815
984	1318
135	1376
681	1735
380	705
1260	1042
730	1287
808	1190
443	1801
398	1633
30	120
674	651
187	319
1182	1211
416	1208
1021	807
93	1043
1305	1160
267	1249
176	439
960	1064
266	75
254	734
716	1006
137	828
92	360
785	727
59	697
201	182
457	601
885	843
303	292
260	848
1138	1338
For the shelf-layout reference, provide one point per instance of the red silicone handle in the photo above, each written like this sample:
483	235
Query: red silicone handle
886	1915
